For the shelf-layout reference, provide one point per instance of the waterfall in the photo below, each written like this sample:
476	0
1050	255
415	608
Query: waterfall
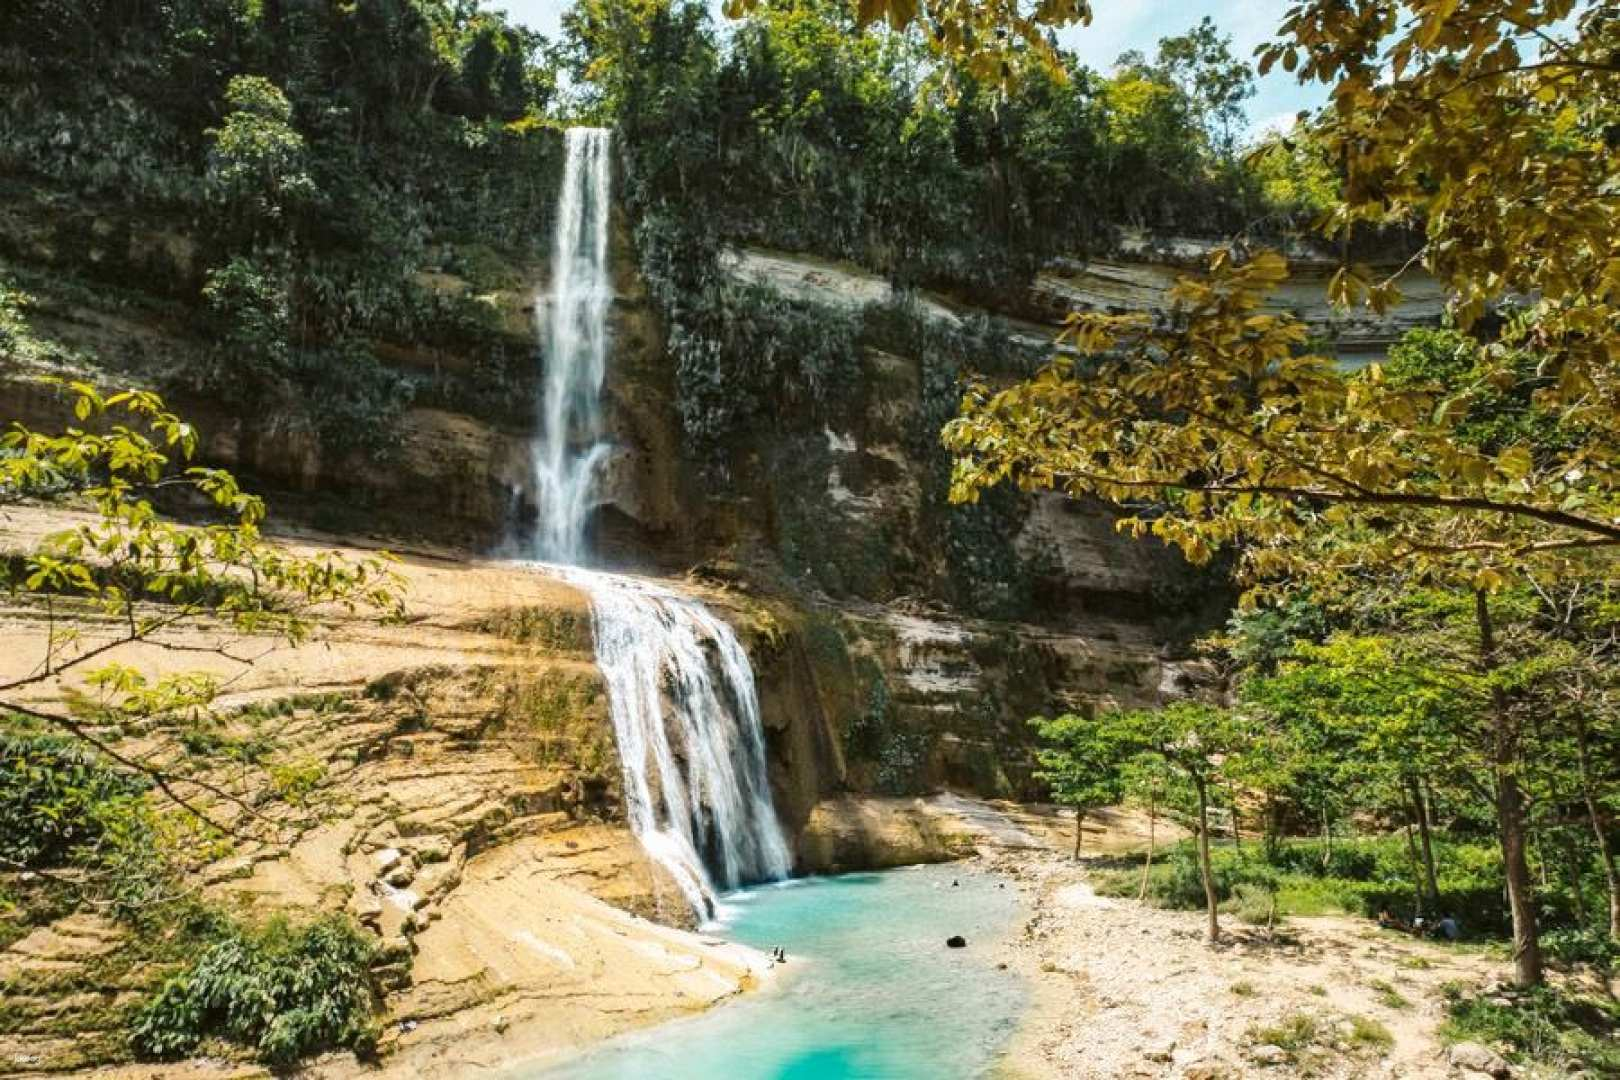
692	745
680	688
574	332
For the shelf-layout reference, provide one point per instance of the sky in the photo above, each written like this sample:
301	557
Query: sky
1118	25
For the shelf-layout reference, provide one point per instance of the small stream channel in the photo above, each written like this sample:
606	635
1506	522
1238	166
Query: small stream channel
870	990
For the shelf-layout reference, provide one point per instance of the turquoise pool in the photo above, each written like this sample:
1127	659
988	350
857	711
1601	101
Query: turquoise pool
870	990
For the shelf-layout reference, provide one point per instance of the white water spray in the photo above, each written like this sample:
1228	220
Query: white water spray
681	691
574	332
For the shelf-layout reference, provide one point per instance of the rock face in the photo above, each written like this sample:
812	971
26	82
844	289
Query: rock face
462	803
872	833
907	642
901	644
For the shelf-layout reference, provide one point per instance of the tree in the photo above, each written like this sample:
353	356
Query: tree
258	160
1194	739
994	42
1215	427
1212	81
1081	763
143	579
1370	720
1148	780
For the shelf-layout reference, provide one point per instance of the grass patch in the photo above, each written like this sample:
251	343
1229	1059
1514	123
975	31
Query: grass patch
1295	1032
1243	988
1388	996
1545	1026
1415	963
1368	1034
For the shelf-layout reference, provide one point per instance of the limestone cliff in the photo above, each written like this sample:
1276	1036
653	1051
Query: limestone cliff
909	642
450	782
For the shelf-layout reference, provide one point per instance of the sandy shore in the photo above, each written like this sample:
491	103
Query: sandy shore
1122	990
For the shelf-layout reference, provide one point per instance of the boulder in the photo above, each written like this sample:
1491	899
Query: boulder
1163	1050
1267	1054
956	941
1474	1056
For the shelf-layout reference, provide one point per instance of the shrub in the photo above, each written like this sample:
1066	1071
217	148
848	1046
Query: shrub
1584	946
285	992
1369	1034
1255	904
1297	1031
1545	1026
56	797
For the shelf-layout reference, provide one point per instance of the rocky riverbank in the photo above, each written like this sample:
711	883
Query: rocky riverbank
1121	989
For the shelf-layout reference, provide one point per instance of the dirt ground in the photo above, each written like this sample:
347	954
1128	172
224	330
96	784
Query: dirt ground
1121	989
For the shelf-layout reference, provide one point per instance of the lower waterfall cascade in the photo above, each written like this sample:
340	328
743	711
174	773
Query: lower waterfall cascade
681	691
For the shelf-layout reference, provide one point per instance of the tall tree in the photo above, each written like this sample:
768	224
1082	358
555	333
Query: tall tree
1081	762
1196	740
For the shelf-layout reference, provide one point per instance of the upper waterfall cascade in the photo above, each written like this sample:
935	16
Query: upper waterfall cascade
573	332
685	712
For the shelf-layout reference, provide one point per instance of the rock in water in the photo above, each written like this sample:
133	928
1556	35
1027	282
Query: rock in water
956	941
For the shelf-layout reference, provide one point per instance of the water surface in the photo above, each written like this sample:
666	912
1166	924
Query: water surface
869	991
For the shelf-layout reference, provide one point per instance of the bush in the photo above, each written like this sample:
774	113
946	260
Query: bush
1543	1026
1298	1031
285	992
1253	904
56	798
1584	946
1367	1033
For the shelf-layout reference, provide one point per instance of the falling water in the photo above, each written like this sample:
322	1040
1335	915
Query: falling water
685	712
574	332
692	745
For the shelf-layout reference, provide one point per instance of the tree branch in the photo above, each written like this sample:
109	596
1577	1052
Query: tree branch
163	781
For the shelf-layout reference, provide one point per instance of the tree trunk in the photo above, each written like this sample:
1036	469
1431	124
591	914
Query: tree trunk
1421	804
1079	829
1611	877
1203	859
1327	841
1527	969
1417	869
1237	826
1153	818
1572	857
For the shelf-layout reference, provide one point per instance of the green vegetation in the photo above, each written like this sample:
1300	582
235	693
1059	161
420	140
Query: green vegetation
293	175
1369	1034
1547	1027
1081	765
104	789
284	991
1453	512
57	798
93	836
802	134
1388	996
553	629
1294	1033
